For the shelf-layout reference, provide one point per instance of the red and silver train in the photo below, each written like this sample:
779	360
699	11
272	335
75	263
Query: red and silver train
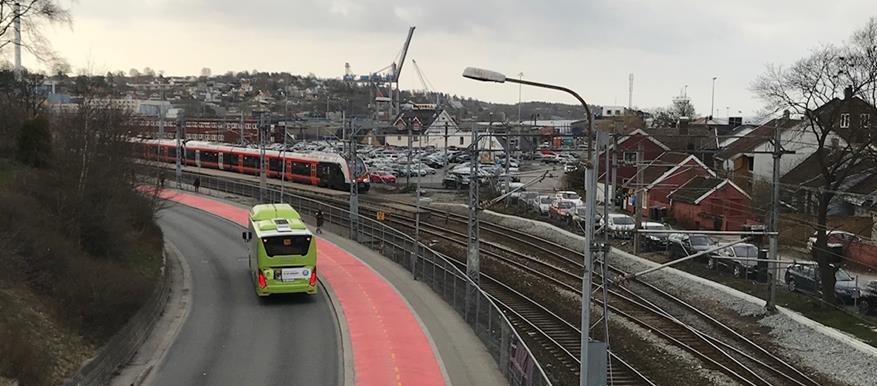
329	170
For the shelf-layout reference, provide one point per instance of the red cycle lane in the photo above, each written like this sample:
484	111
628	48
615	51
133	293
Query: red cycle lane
388	343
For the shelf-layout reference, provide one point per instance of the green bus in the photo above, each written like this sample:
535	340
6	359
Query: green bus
282	251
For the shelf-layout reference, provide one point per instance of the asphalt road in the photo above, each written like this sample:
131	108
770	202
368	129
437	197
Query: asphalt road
231	336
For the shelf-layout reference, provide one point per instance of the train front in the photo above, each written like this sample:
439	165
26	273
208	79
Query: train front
360	174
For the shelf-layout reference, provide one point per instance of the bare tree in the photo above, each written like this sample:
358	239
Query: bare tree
149	72
205	72
668	116
33	14
134	73
812	87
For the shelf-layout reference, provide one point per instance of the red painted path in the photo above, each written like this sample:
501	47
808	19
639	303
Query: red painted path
389	346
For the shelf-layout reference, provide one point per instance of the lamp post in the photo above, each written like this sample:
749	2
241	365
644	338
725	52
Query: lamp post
590	202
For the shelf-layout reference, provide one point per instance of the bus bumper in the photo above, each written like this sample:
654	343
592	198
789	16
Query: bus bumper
278	287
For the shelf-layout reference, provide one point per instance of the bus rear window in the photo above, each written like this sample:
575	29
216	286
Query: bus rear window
286	245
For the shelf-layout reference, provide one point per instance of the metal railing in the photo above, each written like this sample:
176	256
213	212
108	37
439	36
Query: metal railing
515	360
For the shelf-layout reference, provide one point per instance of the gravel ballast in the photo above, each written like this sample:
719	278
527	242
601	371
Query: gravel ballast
804	342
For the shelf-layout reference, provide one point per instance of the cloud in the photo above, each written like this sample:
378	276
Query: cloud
590	45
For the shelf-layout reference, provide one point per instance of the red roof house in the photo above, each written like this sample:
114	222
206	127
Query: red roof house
710	203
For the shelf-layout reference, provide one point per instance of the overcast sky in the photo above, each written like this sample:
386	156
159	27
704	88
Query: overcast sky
588	45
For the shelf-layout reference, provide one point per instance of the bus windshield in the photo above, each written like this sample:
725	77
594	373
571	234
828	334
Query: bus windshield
287	245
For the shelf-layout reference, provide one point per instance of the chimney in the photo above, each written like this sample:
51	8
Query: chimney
786	114
848	92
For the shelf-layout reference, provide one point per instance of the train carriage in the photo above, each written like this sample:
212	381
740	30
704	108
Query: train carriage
323	169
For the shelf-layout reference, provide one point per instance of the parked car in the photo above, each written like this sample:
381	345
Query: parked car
655	241
577	216
868	298
568	195
544	204
560	209
726	257
382	177
525	198
805	277
681	245
836	239
620	225
568	168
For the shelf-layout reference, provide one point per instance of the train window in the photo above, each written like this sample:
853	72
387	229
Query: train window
251	161
275	164
301	169
171	151
209	156
190	154
230	159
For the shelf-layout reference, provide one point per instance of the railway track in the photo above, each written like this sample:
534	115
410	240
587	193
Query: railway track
562	266
738	357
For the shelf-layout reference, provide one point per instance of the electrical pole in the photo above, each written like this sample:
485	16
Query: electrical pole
614	166
773	269
180	123
416	249
446	143
408	163
283	168
520	77
242	128
473	262
638	209
354	186
262	174
508	177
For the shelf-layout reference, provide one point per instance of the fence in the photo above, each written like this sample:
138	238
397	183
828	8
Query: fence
514	358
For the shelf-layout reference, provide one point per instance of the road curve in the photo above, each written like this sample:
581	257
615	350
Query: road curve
231	337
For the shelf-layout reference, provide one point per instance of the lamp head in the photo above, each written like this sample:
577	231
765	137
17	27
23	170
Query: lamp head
483	75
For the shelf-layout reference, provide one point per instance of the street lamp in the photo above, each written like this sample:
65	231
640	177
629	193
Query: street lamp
590	201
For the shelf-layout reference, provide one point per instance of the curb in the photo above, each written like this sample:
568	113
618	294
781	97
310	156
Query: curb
346	369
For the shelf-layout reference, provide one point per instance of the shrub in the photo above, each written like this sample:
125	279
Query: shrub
34	143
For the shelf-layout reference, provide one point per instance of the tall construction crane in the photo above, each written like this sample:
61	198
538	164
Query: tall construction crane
386	77
396	71
427	87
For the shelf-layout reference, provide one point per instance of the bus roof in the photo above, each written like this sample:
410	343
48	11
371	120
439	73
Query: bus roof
272	212
277	220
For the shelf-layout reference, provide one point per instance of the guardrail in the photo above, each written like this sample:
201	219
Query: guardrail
515	360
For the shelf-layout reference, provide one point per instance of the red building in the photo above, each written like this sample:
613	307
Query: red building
661	177
626	154
710	203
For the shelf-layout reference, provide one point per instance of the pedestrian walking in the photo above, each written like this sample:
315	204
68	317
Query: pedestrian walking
161	180
197	183
319	216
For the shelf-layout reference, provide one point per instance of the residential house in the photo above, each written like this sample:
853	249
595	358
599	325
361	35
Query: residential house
698	140
710	203
749	159
661	177
626	156
429	125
